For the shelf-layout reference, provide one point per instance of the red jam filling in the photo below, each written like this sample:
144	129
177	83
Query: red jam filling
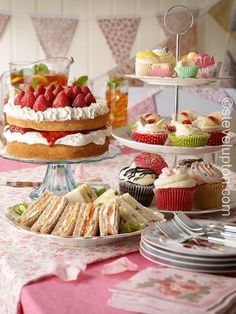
51	136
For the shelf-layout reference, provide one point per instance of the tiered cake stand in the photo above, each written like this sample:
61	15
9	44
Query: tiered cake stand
59	177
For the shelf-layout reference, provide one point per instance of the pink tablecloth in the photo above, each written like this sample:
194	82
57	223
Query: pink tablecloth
89	294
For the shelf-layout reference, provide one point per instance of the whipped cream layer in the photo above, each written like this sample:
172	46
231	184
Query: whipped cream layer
97	137
143	126
56	114
206	123
187	130
177	178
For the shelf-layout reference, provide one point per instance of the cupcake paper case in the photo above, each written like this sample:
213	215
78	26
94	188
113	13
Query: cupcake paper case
138	182
174	190
209	187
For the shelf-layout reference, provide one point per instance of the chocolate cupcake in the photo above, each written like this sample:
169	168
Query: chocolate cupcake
138	182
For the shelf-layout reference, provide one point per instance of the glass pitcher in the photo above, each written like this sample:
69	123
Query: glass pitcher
45	71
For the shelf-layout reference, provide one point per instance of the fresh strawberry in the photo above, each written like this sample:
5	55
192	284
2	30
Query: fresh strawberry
41	103
40	90
29	88
51	87
77	90
214	119
69	93
187	121
58	89
157	139
184	113
171	128
28	99
61	100
18	98
89	99
79	101
151	121
49	96
85	90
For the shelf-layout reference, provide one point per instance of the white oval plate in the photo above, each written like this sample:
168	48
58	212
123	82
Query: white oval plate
188	258
172	81
123	136
11	217
154	237
179	265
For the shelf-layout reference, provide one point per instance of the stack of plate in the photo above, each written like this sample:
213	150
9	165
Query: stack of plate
197	255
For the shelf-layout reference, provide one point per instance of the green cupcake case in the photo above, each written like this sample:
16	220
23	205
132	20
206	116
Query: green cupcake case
189	141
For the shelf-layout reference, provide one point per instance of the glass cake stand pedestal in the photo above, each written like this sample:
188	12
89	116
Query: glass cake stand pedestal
59	178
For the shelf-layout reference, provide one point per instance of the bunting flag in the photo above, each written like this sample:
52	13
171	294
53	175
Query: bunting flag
4	19
120	34
213	94
54	34
188	41
229	69
224	13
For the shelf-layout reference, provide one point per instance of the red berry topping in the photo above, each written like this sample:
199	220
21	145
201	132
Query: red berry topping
61	100
214	119
151	121
69	93
187	121
77	90
49	96
89	99
18	98
51	87
184	113
40	90
28	99
79	101
85	90
58	89
41	103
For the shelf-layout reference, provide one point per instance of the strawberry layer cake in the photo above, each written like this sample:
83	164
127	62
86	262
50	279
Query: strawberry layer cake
56	123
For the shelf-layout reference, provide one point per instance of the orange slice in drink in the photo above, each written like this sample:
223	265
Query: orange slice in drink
40	79
16	79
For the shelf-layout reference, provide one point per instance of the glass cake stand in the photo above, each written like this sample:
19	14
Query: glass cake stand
59	177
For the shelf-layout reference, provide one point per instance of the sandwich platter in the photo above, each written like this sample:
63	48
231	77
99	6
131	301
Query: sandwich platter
80	218
11	217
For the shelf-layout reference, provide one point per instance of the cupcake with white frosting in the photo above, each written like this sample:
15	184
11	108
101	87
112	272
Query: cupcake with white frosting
150	129
144	61
174	190
210	184
187	135
212	124
138	182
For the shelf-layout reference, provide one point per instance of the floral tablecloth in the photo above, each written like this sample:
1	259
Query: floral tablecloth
25	257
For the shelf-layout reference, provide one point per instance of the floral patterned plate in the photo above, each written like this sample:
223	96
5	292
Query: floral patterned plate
187	266
153	237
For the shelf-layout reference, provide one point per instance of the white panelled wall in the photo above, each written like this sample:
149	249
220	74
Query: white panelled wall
88	47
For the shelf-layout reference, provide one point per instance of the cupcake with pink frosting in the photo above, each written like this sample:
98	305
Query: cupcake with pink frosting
210	184
207	66
174	190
